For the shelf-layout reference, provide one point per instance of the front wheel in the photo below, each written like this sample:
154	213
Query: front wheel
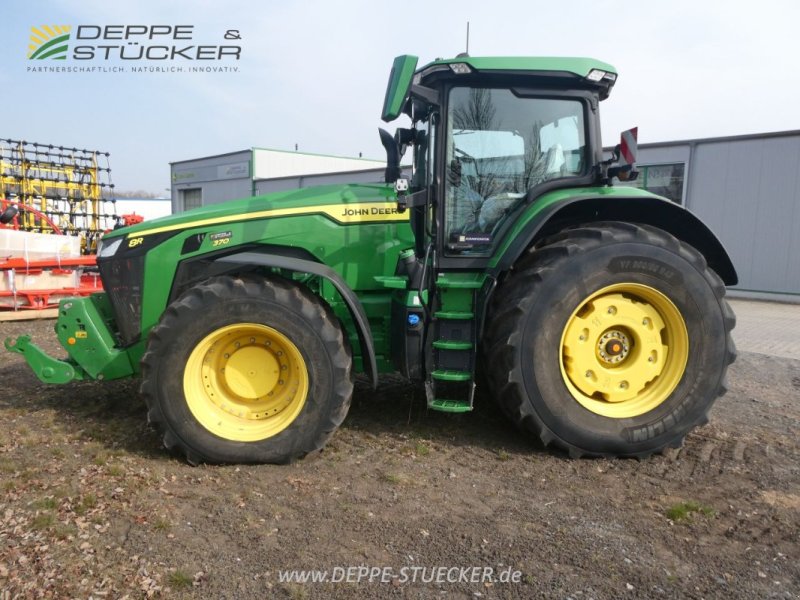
610	340
246	370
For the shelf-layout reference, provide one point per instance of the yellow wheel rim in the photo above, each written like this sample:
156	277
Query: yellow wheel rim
245	382
624	350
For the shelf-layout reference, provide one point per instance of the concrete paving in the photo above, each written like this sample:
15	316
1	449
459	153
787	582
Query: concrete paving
767	327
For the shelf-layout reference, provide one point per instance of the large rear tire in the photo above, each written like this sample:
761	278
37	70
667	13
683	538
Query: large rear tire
246	371
611	339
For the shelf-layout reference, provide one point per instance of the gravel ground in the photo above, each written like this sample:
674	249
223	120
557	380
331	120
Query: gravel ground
92	506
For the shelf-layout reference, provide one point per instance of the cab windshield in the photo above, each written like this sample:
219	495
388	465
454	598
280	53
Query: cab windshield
499	146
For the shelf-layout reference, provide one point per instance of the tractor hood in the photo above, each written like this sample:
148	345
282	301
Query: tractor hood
355	230
345	204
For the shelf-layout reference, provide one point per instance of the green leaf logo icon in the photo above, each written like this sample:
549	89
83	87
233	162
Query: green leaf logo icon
49	41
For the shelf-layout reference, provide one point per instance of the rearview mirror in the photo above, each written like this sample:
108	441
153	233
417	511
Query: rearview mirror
625	153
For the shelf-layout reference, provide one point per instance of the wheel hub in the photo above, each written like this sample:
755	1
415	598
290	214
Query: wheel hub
251	372
613	347
624	350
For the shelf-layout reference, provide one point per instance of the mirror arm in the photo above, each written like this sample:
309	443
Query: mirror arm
425	94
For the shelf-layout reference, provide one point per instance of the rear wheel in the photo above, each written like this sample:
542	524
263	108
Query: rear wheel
244	370
610	340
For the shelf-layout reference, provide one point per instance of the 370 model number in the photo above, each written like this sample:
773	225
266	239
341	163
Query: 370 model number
220	238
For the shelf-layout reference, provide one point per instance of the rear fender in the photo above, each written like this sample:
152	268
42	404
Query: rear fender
648	210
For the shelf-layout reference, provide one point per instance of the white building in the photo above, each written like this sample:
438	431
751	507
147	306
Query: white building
214	179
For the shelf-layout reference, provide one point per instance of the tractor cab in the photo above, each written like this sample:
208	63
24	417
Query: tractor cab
489	136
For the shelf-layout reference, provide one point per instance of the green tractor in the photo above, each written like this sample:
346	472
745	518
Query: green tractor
592	313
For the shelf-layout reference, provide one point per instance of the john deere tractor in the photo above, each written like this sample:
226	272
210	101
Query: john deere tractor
506	253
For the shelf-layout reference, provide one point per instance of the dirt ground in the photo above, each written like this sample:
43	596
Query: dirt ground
92	506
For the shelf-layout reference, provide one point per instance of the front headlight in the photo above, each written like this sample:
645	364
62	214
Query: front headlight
104	250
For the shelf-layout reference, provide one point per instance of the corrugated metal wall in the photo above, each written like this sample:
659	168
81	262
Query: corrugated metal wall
747	190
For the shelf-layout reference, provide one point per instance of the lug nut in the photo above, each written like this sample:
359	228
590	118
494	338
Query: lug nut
623	385
612	310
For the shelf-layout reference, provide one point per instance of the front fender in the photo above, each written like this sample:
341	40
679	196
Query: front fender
303	265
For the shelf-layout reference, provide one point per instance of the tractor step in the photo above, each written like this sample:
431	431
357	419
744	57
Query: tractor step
394	282
444	282
452	345
454	314
450	406
443	375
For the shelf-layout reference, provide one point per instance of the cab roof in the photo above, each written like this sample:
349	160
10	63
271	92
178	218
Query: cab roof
576	65
586	72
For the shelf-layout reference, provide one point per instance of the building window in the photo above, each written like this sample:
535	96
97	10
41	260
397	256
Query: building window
665	180
191	198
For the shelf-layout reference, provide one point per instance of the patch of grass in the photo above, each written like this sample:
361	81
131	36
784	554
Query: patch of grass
48	503
27	475
61	492
503	455
43	521
395	478
178	579
63	531
100	459
56	452
88	502
421	449
94	432
115	470
296	592
162	524
683	511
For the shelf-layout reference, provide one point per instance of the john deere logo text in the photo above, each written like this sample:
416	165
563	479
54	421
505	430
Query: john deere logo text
49	41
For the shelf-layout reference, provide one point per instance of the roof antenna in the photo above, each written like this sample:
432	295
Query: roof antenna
465	54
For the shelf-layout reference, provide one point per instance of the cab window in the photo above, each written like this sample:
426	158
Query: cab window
499	146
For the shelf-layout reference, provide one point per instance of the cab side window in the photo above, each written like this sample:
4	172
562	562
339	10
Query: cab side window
499	146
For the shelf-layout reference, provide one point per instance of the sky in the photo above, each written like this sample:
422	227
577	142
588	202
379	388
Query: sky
313	72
